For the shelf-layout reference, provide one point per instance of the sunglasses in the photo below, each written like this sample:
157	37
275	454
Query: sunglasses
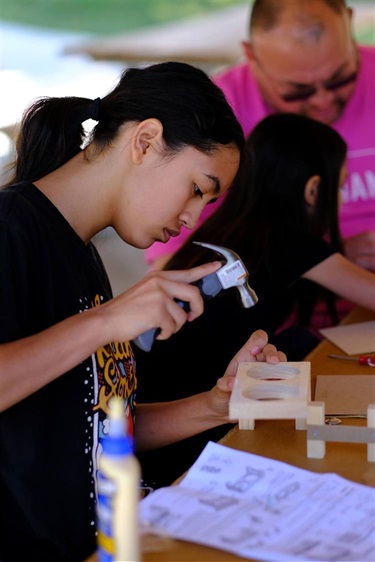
311	91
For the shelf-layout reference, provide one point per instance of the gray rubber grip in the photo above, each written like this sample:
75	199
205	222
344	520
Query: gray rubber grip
209	287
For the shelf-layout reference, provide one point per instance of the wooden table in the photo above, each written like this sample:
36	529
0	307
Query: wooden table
279	440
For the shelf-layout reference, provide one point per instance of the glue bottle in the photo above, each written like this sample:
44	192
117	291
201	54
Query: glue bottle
118	492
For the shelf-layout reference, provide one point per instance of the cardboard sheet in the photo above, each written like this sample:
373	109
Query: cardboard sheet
345	395
353	339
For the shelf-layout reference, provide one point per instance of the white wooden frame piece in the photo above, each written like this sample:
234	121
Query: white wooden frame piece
265	391
318	433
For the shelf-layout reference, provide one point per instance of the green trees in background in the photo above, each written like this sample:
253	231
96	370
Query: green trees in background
105	16
117	16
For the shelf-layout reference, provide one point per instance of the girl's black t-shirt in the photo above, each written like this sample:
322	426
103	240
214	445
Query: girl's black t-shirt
49	442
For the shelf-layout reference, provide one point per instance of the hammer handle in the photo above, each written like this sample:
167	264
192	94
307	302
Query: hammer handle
209	287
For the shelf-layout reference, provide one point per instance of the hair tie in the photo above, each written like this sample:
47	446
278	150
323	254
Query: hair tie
95	108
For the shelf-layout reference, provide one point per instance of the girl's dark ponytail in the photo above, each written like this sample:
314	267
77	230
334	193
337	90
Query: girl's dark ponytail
51	134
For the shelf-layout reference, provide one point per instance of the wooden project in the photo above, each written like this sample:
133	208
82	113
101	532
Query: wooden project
265	391
318	433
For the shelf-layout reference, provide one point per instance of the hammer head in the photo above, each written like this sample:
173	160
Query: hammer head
233	274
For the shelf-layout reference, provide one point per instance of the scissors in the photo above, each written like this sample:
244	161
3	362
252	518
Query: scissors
362	359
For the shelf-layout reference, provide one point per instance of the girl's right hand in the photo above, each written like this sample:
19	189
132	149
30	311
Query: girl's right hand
150	303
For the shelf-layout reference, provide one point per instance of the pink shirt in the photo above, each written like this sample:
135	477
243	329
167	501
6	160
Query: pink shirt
356	126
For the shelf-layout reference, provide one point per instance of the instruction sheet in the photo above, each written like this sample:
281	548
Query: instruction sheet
263	509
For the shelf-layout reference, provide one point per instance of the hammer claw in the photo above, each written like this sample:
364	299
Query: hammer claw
232	276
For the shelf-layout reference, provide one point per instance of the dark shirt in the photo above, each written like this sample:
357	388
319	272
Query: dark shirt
49	441
194	358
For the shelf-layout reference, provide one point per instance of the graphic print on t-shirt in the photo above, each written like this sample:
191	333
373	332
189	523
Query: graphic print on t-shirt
112	374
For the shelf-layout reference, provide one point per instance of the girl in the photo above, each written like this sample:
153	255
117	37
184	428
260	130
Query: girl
165	144
282	220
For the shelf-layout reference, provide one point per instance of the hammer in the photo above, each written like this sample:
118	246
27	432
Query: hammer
232	274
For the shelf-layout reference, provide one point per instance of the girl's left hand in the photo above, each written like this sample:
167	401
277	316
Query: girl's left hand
256	348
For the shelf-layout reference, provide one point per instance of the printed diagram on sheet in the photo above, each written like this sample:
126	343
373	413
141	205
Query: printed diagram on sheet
268	510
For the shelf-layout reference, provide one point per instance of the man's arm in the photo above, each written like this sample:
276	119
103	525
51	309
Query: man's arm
360	249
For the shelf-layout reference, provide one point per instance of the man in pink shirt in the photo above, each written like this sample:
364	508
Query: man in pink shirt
302	58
